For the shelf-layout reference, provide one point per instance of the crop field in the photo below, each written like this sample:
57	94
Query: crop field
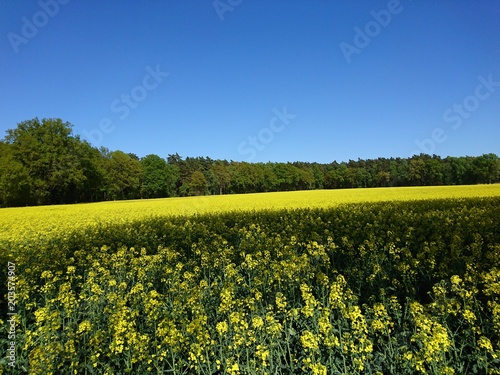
27	221
358	281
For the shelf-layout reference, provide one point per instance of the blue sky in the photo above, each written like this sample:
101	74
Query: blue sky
258	80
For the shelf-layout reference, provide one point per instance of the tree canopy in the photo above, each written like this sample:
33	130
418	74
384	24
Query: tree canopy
43	162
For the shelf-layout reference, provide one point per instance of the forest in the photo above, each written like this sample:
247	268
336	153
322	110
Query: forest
43	162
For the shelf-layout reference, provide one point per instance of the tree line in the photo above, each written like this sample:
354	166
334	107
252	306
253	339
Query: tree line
43	162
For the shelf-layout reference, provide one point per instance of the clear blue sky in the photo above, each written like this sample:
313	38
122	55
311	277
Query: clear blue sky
258	80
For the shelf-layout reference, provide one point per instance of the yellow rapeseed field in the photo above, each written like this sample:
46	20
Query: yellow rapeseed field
27	221
387	281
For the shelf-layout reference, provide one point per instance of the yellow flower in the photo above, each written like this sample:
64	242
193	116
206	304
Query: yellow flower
469	316
221	328
262	352
232	367
257	322
84	326
318	368
431	336
280	301
336	297
416	308
273	326
227	299
485	343
137	288
377	325
324	322
46	275
358	321
309	300
309	340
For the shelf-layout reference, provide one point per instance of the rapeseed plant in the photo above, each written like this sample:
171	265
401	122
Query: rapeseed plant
308	291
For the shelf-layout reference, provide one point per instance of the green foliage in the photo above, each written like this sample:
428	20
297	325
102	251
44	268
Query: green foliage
45	151
158	180
197	183
42	162
123	175
222	176
14	179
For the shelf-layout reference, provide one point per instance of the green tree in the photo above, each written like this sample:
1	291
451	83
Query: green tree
382	178
269	180
434	171
305	179
485	168
222	176
157	180
287	175
348	175
14	179
243	178
363	178
197	183
319	176
417	170
334	179
91	162
123	176
403	172
49	153
459	168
